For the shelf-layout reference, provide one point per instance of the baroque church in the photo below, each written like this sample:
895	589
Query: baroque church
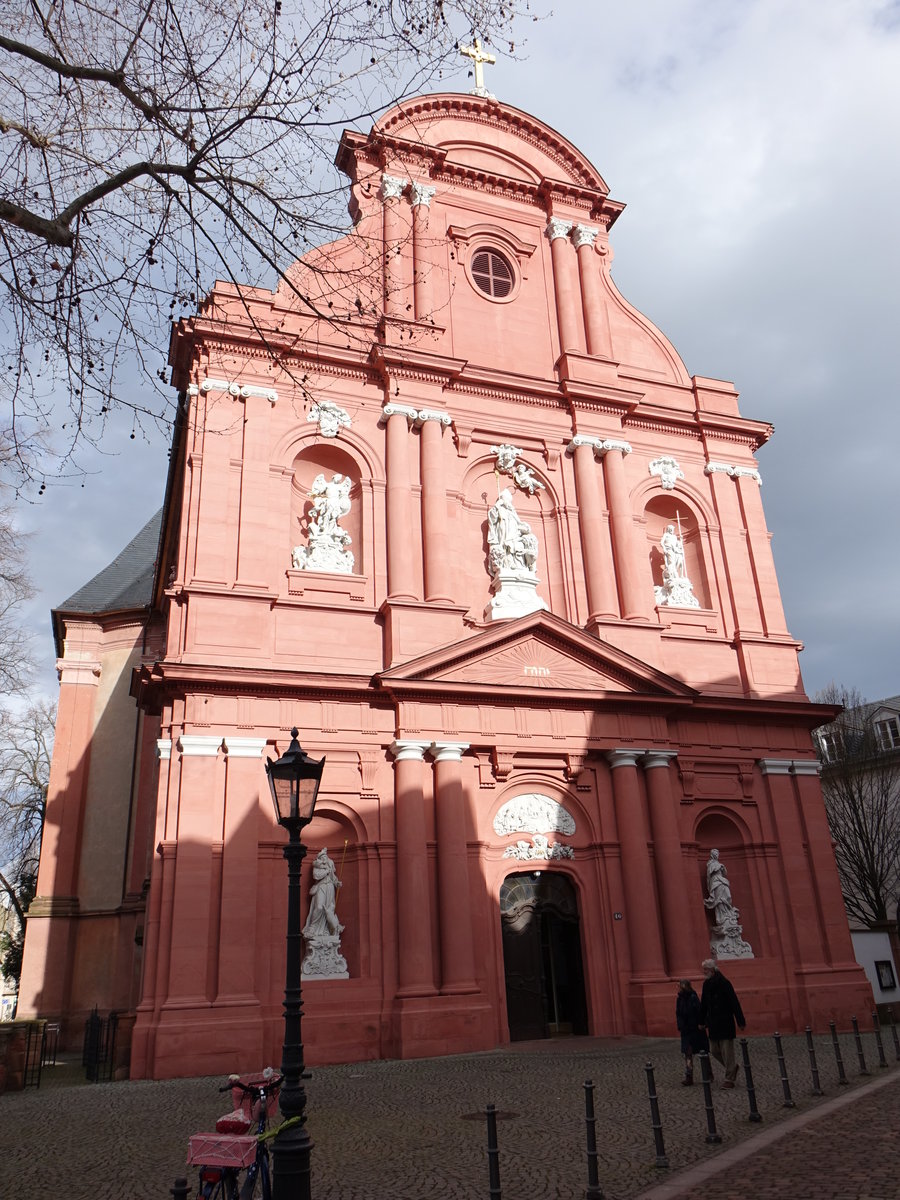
464	518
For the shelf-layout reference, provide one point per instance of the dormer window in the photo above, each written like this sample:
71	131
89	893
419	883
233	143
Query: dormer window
492	274
888	733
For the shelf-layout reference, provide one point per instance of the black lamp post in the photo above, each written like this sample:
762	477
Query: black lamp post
294	782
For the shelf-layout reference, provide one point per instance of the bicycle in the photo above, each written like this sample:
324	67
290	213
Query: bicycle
223	1155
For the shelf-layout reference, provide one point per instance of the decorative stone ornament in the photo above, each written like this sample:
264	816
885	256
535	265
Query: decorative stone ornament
322	931
533	812
330	417
391	188
726	940
522	475
677	590
327	549
512	558
558	228
538	848
668	471
421	193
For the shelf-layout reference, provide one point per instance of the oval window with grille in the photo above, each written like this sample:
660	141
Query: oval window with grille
492	274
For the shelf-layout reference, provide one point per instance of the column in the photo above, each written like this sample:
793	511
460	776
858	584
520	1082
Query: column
415	970
240	869
254	543
758	541
826	880
454	907
669	860
394	284
803	918
421	196
400	544
640	893
564	285
438	582
599	575
188	981
213	535
632	602
596	317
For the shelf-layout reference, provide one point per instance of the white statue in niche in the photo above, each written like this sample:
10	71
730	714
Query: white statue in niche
327	549
726	940
322	931
677	591
512	558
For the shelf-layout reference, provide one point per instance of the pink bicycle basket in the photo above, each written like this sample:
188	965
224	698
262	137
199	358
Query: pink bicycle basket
221	1150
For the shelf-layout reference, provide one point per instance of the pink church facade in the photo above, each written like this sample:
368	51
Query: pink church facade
529	756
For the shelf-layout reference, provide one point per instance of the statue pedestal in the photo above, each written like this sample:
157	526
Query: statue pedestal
323	958
514	596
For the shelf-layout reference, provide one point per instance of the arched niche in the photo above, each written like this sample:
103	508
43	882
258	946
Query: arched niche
328	459
672	509
718	831
333	831
480	489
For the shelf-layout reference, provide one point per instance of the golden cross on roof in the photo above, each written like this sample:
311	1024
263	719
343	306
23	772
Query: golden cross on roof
478	57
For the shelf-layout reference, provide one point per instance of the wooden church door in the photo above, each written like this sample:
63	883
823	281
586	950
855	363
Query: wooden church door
542	956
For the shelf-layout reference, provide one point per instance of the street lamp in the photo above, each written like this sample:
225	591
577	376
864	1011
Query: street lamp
294	783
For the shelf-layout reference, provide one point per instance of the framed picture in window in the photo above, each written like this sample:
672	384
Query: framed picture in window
886	980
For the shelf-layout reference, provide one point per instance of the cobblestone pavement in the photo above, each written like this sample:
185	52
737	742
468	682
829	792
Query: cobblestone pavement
414	1130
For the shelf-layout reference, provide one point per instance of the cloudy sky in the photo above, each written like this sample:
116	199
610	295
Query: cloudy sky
755	143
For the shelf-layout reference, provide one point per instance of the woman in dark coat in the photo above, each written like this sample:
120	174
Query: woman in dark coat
687	1020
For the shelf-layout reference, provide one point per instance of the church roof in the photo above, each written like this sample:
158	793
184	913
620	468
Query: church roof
128	580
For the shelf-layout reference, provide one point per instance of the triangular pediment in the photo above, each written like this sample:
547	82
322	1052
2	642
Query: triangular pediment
539	652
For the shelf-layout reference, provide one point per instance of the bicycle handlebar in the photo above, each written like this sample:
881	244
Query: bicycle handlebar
253	1089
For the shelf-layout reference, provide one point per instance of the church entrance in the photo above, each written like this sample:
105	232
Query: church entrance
542	956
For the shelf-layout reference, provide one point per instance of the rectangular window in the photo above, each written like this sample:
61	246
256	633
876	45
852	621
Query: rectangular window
886	980
888	733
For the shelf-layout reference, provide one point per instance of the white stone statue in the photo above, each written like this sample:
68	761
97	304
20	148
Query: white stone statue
726	940
512	558
327	549
677	591
322	931
533	813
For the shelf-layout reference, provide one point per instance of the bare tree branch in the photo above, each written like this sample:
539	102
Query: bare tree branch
148	146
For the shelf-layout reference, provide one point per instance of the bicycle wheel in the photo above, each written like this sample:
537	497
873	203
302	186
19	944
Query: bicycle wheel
257	1183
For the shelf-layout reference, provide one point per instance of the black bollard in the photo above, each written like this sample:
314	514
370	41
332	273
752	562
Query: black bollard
661	1159
894	1034
493	1153
748	1078
882	1061
593	1191
813	1065
180	1190
842	1078
782	1066
712	1135
863	1069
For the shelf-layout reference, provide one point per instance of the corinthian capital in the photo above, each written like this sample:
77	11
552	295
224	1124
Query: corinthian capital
391	188
420	193
583	235
558	228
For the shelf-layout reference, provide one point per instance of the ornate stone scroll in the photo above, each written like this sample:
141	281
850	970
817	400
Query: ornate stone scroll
330	417
676	591
322	931
512	559
327	549
726	940
668	470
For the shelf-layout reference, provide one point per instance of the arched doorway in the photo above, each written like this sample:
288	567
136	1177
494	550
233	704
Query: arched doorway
542	956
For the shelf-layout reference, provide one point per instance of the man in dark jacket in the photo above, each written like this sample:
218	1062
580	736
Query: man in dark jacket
719	1010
